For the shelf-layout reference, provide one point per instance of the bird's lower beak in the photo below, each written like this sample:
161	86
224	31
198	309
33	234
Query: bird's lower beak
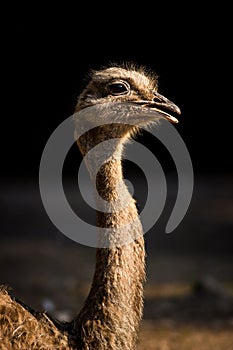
162	106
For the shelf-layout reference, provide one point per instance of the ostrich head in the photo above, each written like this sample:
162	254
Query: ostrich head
118	101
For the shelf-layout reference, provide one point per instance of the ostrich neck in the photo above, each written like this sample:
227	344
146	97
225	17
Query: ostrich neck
112	312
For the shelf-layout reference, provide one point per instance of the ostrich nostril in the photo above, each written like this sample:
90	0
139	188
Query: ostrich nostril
156	99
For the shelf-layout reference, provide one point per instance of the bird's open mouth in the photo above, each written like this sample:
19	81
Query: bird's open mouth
162	109
161	105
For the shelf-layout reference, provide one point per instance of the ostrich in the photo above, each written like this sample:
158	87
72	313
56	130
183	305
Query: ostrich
110	317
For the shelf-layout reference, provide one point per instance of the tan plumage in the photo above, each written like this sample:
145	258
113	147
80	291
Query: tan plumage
110	317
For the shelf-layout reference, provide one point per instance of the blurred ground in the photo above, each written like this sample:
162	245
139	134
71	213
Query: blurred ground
189	291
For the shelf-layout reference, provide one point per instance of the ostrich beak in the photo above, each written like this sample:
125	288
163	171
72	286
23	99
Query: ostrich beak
162	105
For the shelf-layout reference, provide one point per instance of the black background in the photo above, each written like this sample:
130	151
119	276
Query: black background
47	53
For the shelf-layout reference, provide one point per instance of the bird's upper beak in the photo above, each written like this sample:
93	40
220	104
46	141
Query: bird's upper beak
162	106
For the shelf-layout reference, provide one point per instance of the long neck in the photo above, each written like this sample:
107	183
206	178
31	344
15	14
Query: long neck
111	315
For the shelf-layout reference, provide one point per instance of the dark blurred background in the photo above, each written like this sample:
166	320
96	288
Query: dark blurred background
46	55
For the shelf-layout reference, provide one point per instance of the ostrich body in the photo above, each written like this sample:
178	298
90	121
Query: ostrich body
111	315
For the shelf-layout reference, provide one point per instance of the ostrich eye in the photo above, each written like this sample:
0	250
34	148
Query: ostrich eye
118	88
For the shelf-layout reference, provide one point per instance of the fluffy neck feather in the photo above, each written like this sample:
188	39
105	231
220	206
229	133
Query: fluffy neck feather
111	315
